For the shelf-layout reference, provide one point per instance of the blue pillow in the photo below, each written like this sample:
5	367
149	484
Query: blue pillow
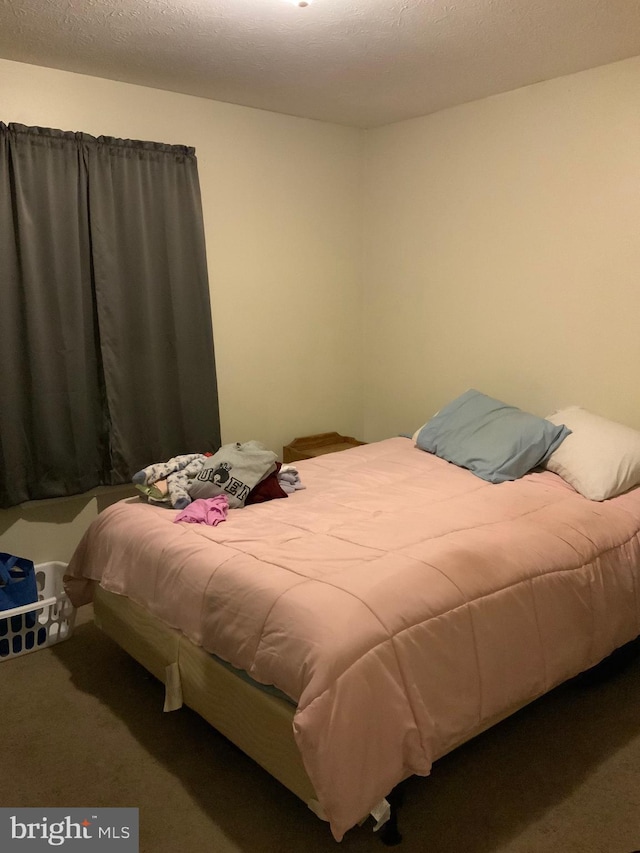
495	441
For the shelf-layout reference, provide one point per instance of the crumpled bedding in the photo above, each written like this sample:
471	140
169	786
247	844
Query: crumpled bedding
399	600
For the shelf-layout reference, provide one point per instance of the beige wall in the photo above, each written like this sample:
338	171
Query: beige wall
502	252
281	199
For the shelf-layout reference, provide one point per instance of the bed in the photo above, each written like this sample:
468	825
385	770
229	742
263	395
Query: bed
349	636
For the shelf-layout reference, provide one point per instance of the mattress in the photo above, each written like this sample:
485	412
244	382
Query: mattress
401	602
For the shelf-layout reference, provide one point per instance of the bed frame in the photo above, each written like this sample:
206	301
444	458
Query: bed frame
257	722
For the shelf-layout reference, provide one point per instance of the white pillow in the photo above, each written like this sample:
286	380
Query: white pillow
600	459
414	437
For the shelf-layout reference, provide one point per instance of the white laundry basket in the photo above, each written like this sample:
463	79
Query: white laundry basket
35	626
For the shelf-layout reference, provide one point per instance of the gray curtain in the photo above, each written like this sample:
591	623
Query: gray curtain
106	345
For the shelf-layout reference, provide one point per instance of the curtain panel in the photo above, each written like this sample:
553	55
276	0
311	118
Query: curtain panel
106	344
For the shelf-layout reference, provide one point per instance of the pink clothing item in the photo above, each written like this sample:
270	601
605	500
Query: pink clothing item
205	511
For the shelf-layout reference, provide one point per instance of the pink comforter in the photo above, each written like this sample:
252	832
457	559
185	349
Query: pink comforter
401	601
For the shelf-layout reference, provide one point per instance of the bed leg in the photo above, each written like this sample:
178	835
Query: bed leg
389	833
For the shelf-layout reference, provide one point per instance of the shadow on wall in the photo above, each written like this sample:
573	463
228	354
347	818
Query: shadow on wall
50	529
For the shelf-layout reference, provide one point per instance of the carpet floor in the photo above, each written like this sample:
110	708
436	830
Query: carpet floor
82	725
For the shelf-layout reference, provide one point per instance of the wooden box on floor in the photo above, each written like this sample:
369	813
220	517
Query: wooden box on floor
317	445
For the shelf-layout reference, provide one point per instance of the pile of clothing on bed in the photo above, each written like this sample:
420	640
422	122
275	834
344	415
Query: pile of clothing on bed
205	485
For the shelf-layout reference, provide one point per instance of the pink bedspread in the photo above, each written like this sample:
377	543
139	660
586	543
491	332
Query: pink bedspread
401	601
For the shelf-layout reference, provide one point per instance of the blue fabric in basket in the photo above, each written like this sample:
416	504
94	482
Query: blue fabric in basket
18	587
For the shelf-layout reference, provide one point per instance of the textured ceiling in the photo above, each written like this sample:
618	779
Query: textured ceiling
356	62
